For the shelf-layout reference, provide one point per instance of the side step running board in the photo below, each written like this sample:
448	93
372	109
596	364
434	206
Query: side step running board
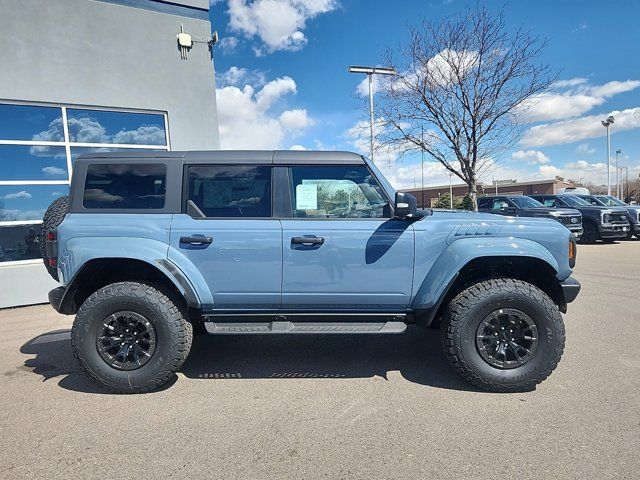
279	327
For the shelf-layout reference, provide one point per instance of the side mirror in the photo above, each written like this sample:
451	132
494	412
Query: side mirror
406	205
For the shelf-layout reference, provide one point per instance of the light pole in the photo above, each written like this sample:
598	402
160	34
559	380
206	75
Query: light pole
581	183
450	191
422	167
626	169
618	152
371	71
607	123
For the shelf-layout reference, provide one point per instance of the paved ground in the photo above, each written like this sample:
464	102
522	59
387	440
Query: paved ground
334	407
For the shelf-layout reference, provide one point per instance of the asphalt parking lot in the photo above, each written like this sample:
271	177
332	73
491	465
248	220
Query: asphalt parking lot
334	407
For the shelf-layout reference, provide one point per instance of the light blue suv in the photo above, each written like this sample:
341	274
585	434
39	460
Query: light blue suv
152	247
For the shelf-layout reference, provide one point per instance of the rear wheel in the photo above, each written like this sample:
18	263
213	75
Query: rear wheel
503	335
130	337
53	217
590	233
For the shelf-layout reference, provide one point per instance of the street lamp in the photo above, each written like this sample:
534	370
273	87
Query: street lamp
607	123
618	152
450	191
371	71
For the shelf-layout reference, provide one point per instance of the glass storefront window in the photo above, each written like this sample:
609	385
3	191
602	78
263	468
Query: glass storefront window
19	242
27	202
37	153
29	122
33	162
93	126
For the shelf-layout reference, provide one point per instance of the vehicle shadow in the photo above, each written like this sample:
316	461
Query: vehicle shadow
416	355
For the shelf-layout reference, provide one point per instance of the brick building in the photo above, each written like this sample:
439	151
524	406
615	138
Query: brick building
430	195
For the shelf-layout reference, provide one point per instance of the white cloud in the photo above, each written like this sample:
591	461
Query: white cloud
240	76
585	148
578	129
530	156
295	119
54	171
145	135
297	147
23	194
571	98
278	24
248	116
228	45
363	87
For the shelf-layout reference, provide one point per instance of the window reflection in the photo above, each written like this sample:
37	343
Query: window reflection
24	162
19	242
28	122
93	126
27	202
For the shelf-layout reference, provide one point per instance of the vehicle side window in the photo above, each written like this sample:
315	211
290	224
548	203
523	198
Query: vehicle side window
125	186
484	203
230	190
549	202
499	203
344	191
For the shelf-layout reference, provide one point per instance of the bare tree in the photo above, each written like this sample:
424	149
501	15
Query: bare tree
462	84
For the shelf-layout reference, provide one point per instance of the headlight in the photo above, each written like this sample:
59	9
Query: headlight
606	217
555	214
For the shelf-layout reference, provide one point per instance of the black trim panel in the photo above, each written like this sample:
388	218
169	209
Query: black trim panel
161	6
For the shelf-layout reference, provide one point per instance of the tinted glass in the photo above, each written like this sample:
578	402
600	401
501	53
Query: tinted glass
125	186
93	126
22	162
526	202
26	122
575	201
499	203
27	202
337	192
19	242
484	202
611	201
231	191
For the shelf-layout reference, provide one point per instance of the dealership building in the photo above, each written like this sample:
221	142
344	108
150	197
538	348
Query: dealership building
429	196
81	76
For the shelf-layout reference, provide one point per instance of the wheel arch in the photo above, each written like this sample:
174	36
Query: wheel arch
463	265
99	272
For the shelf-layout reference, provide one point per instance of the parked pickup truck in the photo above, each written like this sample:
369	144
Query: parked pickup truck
150	247
523	206
598	222
633	211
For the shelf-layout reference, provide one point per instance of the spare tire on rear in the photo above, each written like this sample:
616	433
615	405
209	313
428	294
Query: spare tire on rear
52	218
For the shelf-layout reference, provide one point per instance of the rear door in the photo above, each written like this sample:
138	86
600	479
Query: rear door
229	234
341	248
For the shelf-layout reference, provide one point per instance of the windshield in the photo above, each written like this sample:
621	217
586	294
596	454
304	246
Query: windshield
611	201
525	202
575	201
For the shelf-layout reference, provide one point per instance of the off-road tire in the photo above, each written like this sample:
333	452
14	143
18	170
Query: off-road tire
467	310
589	233
52	219
173	332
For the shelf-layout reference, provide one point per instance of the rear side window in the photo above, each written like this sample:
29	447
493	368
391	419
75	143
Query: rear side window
125	186
230	191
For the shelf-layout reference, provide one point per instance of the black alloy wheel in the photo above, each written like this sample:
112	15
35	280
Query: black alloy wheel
507	338
126	341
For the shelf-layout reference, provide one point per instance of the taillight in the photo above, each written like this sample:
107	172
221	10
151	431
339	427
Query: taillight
51	236
51	249
53	262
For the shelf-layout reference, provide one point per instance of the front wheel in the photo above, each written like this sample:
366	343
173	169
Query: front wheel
503	335
590	233
130	337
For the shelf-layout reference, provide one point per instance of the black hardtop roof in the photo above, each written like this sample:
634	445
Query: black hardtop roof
303	157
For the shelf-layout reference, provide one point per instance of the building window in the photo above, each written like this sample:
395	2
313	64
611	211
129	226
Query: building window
38	146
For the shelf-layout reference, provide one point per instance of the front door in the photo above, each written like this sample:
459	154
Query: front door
341	249
230	237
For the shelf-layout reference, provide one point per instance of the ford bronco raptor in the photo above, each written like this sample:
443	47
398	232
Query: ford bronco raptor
150	247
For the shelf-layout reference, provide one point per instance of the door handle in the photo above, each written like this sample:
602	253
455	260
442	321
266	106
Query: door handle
197	240
307	240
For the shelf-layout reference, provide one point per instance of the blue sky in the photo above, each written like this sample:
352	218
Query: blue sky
282	79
